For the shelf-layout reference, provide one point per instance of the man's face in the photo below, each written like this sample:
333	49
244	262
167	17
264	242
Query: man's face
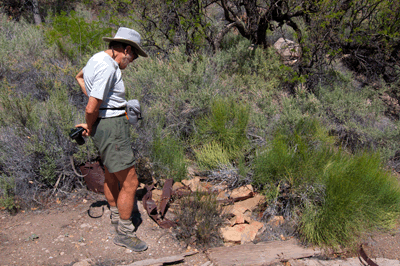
129	56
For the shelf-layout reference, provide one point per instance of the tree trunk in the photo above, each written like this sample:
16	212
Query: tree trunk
36	15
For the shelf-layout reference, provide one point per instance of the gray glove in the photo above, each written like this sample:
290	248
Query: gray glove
133	111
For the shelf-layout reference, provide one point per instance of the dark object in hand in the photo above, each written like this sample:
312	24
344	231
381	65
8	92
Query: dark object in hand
76	134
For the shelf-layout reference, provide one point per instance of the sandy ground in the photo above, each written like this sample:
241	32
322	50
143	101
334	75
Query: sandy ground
63	234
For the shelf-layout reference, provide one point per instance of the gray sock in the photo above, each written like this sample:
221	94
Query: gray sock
125	227
114	214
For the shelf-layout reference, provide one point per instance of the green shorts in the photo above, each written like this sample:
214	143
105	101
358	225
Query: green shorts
111	137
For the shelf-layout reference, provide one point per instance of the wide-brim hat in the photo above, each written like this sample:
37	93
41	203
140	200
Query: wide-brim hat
128	36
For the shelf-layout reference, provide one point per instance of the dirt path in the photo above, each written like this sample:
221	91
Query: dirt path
64	234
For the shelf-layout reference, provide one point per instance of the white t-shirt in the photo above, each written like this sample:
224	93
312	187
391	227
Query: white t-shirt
103	80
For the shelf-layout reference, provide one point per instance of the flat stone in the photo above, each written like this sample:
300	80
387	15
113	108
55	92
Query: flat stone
241	233
177	185
195	184
243	191
251	203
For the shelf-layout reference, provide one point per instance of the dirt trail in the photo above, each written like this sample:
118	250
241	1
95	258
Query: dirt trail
64	233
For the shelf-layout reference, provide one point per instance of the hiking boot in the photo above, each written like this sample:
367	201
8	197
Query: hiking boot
131	242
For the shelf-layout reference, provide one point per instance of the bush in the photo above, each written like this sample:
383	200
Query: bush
169	157
360	196
76	34
199	219
222	133
333	196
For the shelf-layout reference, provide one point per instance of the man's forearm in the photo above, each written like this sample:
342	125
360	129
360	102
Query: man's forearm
81	82
91	118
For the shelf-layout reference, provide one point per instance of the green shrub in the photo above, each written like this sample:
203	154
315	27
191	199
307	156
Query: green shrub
223	130
76	34
360	196
211	156
333	196
169	156
7	192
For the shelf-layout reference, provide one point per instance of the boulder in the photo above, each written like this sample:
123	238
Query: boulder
288	50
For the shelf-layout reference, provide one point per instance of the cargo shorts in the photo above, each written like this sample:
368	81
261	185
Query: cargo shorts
111	137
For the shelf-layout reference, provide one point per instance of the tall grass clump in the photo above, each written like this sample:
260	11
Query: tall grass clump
360	196
221	135
334	197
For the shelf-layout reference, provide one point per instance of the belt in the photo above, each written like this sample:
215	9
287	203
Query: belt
113	108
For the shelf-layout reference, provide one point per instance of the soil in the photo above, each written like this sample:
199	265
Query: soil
63	233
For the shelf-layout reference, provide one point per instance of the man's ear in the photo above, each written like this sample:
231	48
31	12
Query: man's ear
128	49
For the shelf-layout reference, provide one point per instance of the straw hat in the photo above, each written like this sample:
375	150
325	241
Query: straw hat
128	36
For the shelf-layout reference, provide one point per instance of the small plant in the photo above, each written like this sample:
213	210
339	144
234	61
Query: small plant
7	187
199	219
211	156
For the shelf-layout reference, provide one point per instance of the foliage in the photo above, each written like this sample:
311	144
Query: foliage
199	219
211	155
76	35
168	154
223	133
333	196
359	195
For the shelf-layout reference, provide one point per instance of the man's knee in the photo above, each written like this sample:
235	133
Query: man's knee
128	178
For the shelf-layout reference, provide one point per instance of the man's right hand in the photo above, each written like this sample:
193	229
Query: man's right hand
87	131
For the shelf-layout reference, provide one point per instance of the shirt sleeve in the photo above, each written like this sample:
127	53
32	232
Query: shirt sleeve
103	80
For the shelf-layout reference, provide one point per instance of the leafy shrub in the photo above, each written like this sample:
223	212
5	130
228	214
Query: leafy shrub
360	195
76	35
334	197
169	157
211	156
224	130
199	219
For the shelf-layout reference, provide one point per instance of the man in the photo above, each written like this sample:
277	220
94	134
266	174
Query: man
108	125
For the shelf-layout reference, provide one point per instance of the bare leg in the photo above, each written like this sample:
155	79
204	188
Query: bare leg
126	197
111	188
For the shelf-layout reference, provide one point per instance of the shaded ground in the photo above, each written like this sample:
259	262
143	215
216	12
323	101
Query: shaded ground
63	233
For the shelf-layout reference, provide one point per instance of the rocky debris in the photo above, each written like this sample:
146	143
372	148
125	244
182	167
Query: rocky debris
241	228
288	50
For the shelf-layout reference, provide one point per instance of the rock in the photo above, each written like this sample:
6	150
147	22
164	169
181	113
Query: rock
177	185
222	195
195	185
244	191
251	204
288	50
157	193
242	232
86	262
276	221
